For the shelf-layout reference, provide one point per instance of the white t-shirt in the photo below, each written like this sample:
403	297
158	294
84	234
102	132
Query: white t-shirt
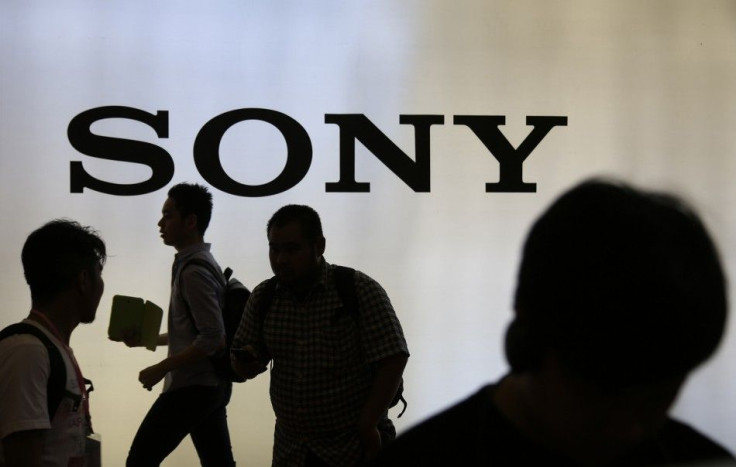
24	373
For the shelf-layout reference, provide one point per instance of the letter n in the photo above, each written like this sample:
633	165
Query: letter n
415	173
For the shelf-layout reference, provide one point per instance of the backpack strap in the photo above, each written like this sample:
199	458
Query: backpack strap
345	285
263	305
219	275
56	385
266	299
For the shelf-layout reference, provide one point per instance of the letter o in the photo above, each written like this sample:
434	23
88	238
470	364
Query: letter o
207	152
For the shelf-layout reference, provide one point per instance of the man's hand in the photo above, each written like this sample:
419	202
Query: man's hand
385	383
132	337
246	363
370	439
153	374
150	376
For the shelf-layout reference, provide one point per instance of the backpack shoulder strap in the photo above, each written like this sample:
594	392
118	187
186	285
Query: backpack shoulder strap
263	305
265	300
56	384
222	278
345	285
219	275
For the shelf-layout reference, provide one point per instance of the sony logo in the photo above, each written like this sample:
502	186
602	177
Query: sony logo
414	172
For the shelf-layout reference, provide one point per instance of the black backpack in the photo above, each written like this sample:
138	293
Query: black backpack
236	294
345	285
56	385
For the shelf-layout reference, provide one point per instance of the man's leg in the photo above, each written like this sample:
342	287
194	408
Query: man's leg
211	437
174	415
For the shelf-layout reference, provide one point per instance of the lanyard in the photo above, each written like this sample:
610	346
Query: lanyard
80	379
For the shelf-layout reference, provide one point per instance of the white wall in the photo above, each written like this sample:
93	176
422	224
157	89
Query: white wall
649	90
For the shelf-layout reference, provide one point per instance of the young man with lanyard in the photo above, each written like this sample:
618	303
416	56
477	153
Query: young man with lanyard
194	397
335	371
62	262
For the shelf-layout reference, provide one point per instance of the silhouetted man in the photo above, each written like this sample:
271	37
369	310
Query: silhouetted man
195	395
42	424
335	369
620	295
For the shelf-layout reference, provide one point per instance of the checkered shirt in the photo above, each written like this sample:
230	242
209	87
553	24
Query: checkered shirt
322	358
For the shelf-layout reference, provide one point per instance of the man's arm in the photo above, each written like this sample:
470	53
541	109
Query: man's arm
249	356
163	339
201	294
25	369
383	342
150	376
245	362
133	339
24	448
383	389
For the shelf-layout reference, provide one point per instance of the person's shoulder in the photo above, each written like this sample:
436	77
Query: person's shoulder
23	352
685	444
360	276
199	257
201	264
26	333
363	282
262	291
263	286
461	412
21	343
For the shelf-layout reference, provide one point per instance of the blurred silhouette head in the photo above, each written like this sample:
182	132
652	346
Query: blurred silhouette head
192	198
296	245
624	286
307	218
55	254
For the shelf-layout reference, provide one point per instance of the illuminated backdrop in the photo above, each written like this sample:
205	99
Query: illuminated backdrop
641	90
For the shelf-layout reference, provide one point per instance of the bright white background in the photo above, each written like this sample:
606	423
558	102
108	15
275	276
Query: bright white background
649	89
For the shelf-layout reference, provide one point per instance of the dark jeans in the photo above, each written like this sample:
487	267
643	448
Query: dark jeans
199	411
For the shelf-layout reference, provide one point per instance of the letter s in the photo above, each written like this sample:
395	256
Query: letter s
119	149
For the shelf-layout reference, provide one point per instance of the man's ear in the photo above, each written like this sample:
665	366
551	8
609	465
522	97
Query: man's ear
190	222
523	348
319	247
84	280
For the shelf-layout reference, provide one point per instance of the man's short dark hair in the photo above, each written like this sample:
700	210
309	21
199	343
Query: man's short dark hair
307	218
624	285
192	198
54	254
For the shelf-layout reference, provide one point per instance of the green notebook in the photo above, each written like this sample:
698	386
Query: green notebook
133	315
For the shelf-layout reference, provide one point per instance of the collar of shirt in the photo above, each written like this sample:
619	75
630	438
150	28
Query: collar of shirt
324	268
190	251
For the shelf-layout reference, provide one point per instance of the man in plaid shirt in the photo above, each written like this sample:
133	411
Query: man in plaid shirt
334	371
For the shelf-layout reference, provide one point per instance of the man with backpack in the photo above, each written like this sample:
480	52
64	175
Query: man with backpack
44	410
336	346
195	395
